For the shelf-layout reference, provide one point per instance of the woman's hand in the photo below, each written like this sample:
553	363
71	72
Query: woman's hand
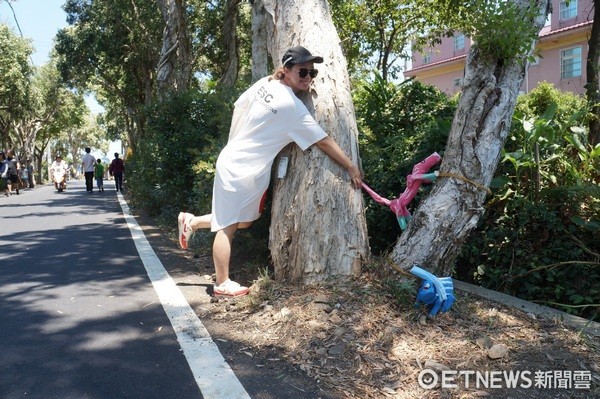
355	176
331	148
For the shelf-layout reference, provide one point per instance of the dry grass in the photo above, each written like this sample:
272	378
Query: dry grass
362	342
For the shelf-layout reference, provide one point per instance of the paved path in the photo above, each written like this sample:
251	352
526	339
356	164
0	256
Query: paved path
80	317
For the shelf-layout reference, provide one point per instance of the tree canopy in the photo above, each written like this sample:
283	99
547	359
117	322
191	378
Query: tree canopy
15	85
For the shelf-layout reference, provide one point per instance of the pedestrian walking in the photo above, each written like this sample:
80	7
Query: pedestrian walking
4	173
99	174
24	177
116	169
12	172
87	166
30	178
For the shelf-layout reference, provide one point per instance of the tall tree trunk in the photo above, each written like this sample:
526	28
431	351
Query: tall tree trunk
260	40
444	219
174	69
26	134
318	226
135	124
230	42
593	77
38	161
38	157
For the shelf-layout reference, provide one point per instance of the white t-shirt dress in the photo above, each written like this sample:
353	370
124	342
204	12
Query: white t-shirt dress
268	117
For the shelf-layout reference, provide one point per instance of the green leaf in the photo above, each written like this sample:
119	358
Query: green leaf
499	182
576	298
591	225
576	141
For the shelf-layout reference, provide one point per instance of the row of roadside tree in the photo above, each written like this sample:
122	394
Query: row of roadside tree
167	72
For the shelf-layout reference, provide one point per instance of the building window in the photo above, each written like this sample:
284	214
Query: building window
457	82
426	58
570	63
568	9
459	42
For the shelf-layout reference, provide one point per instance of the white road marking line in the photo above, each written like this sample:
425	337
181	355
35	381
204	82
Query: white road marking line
213	375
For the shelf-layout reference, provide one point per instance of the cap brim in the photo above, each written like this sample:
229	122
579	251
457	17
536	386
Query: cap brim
314	58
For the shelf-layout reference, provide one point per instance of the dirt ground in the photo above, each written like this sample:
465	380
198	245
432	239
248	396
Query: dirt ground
364	338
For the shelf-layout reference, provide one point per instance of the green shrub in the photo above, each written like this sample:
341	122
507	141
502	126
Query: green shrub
399	126
537	239
184	133
545	251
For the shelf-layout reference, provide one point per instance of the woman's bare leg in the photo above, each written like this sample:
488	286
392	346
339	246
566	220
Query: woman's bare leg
222	252
201	222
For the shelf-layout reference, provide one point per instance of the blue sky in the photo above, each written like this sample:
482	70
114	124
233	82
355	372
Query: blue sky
39	21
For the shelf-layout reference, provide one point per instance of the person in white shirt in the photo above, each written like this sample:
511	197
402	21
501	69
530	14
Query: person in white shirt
59	165
87	167
267	117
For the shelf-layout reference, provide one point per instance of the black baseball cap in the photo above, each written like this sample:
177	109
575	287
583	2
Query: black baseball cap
299	55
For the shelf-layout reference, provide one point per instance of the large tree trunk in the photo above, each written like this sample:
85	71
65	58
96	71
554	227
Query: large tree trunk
318	227
593	77
230	43
174	69
260	40
444	219
26	134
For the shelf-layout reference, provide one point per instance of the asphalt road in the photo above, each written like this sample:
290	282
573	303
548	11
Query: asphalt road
94	306
79	316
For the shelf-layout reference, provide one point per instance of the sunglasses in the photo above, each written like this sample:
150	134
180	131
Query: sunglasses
304	72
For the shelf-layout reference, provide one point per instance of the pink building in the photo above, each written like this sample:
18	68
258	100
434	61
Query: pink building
562	48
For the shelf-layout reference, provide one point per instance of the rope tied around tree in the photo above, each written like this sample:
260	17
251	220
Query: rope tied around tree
413	182
460	177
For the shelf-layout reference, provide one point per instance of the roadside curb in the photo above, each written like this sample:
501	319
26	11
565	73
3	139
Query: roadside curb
585	325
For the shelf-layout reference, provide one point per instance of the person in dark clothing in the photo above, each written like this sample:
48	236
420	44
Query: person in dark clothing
29	167
116	169
12	172
4	172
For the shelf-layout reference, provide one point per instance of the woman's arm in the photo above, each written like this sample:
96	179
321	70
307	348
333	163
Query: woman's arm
331	148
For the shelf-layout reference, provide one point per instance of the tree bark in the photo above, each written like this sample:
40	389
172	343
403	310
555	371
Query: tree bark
174	69
318	227
444	219
593	77
26	134
230	42
260	39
